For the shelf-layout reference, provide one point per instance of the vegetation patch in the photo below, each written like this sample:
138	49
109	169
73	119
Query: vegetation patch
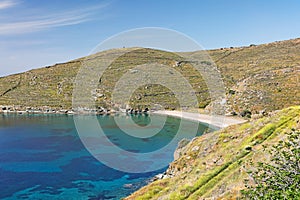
219	170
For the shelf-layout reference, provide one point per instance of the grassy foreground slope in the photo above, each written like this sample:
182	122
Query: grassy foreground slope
256	78
214	166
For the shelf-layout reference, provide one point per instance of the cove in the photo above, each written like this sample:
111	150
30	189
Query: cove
43	157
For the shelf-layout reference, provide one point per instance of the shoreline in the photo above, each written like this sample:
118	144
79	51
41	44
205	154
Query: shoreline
71	111
217	120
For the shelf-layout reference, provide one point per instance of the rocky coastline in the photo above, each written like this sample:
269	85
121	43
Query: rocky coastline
4	109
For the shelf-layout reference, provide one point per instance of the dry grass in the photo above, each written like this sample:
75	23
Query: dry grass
262	77
219	165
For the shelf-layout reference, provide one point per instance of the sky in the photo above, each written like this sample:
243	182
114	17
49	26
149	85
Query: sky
35	33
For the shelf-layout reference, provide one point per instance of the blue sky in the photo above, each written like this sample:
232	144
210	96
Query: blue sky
37	33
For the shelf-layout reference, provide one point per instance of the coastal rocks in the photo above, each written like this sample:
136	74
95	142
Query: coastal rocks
181	148
195	148
160	177
6	109
34	110
263	112
71	111
128	186
246	113
137	111
2	108
260	114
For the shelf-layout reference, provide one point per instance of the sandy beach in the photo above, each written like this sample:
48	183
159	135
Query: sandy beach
218	121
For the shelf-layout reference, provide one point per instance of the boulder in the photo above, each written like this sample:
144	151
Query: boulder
246	113
195	148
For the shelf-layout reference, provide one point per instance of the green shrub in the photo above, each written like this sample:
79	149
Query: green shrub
279	179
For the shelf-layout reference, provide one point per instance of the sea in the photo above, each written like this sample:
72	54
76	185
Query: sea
46	156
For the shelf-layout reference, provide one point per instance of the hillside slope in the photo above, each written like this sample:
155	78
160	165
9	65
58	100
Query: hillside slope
264	77
53	85
214	166
257	78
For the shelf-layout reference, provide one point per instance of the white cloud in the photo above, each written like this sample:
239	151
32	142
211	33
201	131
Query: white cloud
7	4
48	21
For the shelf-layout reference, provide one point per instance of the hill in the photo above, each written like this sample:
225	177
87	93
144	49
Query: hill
257	79
215	165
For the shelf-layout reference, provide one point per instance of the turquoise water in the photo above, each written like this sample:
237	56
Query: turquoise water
43	157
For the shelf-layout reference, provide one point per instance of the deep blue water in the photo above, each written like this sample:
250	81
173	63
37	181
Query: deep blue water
42	157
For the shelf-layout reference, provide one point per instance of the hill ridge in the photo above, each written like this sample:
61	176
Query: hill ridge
257	79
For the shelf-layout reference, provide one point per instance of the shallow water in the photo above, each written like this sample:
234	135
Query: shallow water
43	157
